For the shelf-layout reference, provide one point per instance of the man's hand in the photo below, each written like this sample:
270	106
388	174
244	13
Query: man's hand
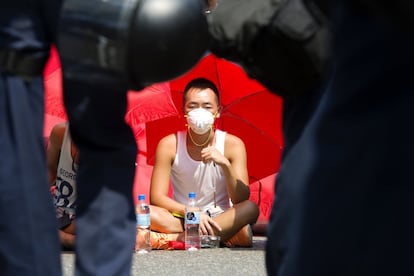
207	225
211	154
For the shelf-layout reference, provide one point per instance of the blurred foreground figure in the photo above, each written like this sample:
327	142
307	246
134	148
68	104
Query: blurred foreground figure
343	205
29	243
352	166
106	51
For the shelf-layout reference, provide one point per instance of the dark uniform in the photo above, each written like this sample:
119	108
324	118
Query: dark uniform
105	219
349	176
105	52
343	203
29	243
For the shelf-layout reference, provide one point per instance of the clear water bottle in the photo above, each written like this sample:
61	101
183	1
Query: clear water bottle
143	241
192	224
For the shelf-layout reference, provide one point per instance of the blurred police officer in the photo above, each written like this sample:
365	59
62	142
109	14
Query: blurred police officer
106	48
105	52
29	242
345	198
351	169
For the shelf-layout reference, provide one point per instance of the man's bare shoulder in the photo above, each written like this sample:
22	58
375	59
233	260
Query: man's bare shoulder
57	133
58	128
233	141
167	147
168	141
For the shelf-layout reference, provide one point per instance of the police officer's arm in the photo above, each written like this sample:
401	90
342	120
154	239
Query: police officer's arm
53	151
160	179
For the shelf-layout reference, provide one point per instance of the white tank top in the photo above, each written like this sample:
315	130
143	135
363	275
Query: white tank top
189	175
65	193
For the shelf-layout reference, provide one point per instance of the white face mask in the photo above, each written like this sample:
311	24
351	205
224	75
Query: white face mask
200	120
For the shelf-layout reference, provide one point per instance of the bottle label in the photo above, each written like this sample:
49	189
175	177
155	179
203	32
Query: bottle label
192	218
143	219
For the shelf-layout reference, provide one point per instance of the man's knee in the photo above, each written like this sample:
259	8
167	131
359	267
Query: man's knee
253	210
163	221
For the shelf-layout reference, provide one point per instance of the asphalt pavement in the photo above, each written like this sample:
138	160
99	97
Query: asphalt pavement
207	261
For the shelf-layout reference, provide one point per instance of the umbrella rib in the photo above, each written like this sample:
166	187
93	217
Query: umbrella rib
217	73
238	100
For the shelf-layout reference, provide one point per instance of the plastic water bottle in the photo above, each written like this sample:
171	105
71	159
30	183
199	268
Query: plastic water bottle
192	224
143	241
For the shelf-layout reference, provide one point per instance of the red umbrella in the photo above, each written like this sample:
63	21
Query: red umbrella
54	110
249	111
152	103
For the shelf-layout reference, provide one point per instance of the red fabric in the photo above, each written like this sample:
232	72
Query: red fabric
262	193
152	103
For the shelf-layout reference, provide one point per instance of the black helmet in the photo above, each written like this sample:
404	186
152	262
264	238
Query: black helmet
144	41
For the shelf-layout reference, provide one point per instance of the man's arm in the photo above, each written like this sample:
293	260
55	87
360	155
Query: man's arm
160	179
67	239
53	152
234	166
236	174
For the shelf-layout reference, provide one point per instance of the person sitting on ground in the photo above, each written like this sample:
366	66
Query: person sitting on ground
209	162
62	163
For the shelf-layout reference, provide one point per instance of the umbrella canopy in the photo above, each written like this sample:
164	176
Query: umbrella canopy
249	111
152	103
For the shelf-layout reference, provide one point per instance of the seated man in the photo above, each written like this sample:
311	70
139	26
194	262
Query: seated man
62	163
209	162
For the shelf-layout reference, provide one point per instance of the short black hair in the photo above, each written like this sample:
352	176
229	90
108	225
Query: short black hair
201	83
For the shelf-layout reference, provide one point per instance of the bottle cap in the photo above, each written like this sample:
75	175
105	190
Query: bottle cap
141	197
192	195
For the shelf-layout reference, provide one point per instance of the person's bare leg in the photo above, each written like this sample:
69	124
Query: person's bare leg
164	222
67	236
235	218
